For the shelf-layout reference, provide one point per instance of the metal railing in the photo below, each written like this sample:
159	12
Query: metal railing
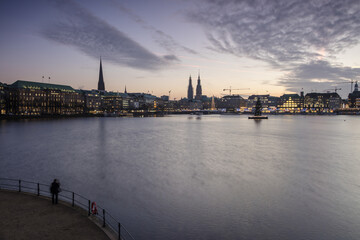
75	199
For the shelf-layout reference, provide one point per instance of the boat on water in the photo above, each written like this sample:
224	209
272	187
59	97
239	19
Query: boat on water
257	114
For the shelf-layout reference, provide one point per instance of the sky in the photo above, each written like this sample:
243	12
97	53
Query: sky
257	46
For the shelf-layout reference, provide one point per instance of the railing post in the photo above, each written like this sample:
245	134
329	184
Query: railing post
38	188
73	199
89	209
19	185
119	226
104	218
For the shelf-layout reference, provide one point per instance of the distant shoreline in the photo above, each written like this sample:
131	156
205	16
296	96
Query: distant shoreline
161	114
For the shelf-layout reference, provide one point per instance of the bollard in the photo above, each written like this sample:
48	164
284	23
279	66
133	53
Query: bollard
119	226
89	209
104	218
38	189
19	185
73	199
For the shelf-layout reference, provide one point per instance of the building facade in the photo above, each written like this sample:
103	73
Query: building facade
354	97
292	103
3	99
92	101
264	99
33	98
322	102
231	103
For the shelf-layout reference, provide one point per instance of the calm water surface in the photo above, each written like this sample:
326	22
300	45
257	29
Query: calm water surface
213	177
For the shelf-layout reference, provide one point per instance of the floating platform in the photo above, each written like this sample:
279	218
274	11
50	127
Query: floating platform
258	117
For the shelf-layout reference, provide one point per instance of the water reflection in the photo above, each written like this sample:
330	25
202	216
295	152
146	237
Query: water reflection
223	177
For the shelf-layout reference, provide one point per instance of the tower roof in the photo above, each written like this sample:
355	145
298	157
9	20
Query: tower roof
101	84
38	85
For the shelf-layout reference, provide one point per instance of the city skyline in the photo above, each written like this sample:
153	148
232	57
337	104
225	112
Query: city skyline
271	48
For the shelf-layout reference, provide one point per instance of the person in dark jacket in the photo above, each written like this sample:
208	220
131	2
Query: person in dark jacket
55	189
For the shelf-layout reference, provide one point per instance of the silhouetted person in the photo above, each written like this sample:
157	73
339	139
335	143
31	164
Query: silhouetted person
55	189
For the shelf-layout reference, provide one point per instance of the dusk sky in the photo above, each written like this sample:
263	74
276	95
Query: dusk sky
272	47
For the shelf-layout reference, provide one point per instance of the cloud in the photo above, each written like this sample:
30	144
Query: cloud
164	40
171	57
319	75
280	32
95	37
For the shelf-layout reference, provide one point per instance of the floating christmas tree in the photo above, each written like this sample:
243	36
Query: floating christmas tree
258	107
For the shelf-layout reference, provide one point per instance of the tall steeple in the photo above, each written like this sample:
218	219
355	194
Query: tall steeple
198	89
356	89
125	89
190	90
101	84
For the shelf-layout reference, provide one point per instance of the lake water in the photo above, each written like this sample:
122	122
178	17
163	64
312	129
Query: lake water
208	177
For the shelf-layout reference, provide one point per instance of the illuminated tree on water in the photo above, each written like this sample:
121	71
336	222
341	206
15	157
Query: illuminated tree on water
258	107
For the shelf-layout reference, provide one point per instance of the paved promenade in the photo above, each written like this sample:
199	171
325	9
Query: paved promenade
25	216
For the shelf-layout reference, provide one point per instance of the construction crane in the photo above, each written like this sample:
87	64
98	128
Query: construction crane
351	82
335	89
230	89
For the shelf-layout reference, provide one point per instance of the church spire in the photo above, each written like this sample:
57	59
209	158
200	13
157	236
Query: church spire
101	84
125	89
198	88
190	90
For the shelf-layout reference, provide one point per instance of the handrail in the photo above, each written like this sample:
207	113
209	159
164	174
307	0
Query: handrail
20	186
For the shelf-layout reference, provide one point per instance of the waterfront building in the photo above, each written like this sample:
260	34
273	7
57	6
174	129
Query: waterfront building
322	102
198	89
101	84
291	103
231	103
195	105
184	104
125	101
3	99
171	106
273	102
354	97
143	101
112	102
264	99
190	93
33	98
205	101
92	101
165	98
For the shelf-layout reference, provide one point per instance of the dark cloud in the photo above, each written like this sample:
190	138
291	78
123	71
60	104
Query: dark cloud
95	37
164	40
280	32
319	75
171	58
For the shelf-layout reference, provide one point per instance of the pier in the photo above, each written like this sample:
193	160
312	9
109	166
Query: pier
28	213
27	216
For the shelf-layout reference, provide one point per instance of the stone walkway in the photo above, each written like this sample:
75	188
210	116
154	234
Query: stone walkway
25	216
